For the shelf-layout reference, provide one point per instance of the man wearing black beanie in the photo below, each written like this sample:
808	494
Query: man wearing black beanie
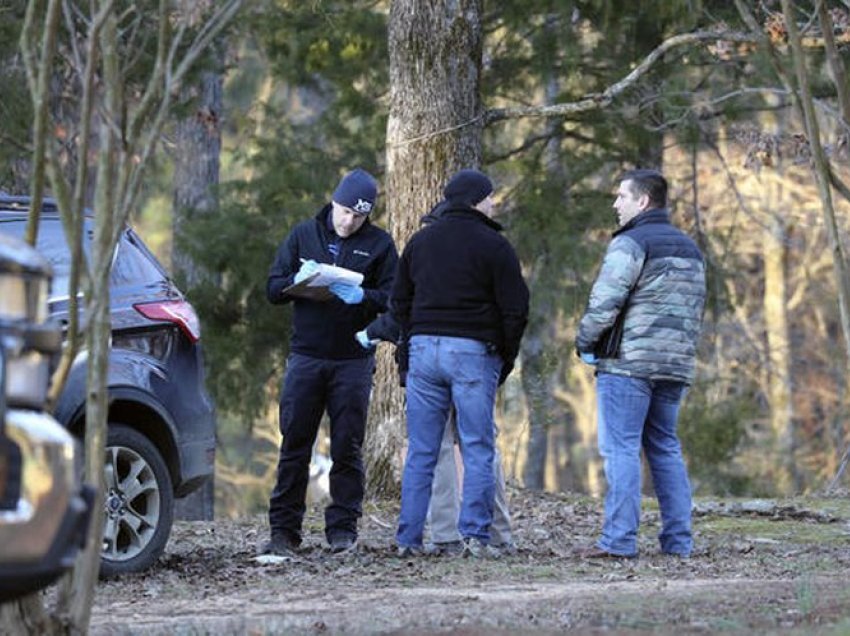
468	188
326	369
462	303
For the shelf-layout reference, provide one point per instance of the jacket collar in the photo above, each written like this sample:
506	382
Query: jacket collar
653	215
467	212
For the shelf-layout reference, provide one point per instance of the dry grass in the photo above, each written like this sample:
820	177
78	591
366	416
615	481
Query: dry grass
769	567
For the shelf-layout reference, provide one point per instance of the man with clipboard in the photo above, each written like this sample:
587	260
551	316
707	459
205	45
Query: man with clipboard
337	270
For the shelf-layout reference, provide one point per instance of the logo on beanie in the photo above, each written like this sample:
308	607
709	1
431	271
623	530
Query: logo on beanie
363	207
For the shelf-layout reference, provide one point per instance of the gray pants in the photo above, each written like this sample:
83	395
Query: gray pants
445	495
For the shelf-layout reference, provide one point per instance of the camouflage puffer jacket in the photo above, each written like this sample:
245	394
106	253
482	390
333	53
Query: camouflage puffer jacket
664	271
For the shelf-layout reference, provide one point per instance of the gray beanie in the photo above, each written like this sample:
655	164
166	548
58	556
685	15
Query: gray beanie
357	190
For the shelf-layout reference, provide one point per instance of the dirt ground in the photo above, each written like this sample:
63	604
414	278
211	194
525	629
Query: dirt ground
760	566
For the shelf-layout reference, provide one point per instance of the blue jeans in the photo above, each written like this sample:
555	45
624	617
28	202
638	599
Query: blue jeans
444	371
637	413
445	497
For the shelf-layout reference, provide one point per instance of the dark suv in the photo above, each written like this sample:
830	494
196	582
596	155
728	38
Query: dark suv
161	439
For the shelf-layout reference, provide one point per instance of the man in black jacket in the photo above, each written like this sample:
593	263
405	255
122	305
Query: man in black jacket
461	301
445	497
327	369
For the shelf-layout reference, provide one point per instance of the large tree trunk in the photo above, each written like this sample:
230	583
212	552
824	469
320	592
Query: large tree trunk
434	129
538	346
821	168
583	455
537	385
774	250
838	75
196	172
196	175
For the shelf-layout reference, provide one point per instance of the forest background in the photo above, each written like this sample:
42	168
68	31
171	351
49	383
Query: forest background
296	93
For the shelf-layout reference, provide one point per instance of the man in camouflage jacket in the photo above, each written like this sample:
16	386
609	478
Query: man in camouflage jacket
653	280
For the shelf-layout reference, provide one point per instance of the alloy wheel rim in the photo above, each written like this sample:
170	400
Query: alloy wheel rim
131	504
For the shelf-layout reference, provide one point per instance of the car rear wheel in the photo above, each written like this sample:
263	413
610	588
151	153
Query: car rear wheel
139	503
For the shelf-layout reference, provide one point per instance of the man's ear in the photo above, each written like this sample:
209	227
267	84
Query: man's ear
644	202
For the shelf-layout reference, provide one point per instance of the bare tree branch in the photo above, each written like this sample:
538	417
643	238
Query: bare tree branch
601	100
836	64
839	185
821	170
598	101
138	118
68	10
28	30
40	93
220	19
527	143
71	208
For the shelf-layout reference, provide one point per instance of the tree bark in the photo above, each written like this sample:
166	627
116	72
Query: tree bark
581	400
538	344
835	62
196	174
774	252
196	177
537	385
434	129
822	173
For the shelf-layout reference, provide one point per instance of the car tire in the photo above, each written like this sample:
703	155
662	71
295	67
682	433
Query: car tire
138	503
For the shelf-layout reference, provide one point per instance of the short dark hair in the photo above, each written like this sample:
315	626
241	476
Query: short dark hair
650	183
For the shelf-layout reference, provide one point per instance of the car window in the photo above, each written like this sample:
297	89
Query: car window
51	243
134	264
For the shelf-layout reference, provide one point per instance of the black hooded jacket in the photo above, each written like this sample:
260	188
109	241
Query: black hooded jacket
460	277
326	329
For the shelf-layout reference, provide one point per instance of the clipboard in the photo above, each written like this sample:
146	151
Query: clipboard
315	286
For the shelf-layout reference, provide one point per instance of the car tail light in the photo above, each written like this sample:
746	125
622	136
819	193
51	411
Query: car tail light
179	312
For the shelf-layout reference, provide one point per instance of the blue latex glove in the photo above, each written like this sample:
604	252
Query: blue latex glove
349	294
308	268
589	358
363	339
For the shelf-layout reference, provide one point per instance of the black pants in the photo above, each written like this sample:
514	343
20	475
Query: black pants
310	386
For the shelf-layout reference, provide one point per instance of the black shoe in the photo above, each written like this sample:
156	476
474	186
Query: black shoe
411	551
341	543
280	545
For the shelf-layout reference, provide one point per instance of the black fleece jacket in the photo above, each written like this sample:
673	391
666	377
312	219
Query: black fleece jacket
326	329
460	277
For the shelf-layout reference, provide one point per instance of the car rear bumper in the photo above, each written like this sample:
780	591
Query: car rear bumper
197	464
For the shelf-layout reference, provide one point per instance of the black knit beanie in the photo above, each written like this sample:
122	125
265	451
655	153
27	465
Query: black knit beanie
468	187
357	190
